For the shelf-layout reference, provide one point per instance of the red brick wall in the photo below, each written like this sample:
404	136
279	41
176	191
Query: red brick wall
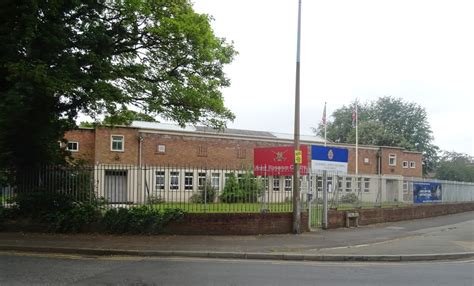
183	150
103	153
401	156
337	218
235	224
86	139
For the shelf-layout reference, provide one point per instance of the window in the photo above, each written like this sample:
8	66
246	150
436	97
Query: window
161	149
215	180
117	143
188	180
276	184
366	161
330	185
288	183
201	179
366	185
319	184
160	180
392	159
241	153
73	146
405	187
202	151
412	164
359	184
174	180
348	184
339	184
405	164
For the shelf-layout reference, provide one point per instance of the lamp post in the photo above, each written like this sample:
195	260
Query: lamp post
296	173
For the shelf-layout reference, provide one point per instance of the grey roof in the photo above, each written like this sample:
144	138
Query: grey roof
226	131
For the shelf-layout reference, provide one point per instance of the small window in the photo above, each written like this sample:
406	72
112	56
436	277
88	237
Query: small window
117	143
339	184
405	187
288	183
276	184
161	149
405	164
215	180
241	153
412	164
202	151
73	146
392	159
366	185
201	179
348	184
174	180
188	180
366	161
160	180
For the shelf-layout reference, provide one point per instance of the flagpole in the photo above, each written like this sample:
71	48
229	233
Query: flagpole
325	126
357	138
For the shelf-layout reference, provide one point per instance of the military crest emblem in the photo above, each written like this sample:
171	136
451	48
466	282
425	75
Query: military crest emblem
330	154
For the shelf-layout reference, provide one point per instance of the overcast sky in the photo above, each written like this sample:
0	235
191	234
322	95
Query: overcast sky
420	50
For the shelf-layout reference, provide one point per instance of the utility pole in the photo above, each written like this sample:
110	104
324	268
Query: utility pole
296	173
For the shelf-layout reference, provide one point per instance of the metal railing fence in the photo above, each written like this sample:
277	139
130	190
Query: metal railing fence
209	190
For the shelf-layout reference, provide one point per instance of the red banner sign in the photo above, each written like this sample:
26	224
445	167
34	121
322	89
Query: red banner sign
278	161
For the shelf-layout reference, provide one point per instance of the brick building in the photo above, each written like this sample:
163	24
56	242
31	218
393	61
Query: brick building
176	158
159	144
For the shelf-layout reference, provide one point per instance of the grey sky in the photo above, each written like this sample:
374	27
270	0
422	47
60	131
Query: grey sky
422	51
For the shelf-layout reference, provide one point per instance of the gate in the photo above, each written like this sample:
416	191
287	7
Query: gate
116	186
320	183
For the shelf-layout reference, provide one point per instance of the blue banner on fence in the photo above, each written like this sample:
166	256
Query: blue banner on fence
329	159
427	192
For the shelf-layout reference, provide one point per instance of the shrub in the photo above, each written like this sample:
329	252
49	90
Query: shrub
154	200
245	190
349	198
74	219
38	204
139	220
206	194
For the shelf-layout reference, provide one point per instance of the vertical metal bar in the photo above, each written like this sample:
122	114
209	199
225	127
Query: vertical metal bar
325	200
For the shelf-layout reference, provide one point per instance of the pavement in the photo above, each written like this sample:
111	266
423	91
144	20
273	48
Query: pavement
438	238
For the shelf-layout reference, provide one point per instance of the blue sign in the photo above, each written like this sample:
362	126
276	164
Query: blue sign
427	192
329	159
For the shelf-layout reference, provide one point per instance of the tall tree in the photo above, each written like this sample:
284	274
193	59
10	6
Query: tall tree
387	121
59	58
455	167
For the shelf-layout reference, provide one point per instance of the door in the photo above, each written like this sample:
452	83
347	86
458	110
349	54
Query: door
116	186
392	191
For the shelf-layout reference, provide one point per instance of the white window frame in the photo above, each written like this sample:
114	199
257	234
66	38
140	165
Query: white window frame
276	184
348	185
412	164
188	186
366	185
405	164
161	149
72	142
202	177
160	186
216	180
174	175
288	179
394	157
112	143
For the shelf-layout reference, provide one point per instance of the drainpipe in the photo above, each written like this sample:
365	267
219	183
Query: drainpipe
140	142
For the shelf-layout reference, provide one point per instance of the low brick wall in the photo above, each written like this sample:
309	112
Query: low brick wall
235	224
337	218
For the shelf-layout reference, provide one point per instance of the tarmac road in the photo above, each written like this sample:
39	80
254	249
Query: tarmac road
36	269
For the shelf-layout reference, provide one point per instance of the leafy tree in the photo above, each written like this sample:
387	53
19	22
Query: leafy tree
121	117
387	121
59	58
455	167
